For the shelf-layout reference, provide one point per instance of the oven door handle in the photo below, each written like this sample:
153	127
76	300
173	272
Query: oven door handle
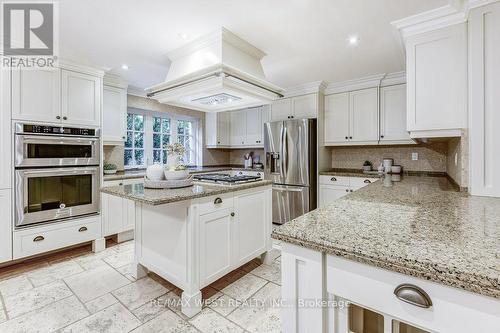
59	171
59	139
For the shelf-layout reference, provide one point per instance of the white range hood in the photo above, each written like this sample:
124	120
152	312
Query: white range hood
217	72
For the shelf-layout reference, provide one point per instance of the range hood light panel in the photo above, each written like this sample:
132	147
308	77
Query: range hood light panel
217	99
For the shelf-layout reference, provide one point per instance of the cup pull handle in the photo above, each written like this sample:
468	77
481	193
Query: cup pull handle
217	201
413	295
38	239
82	229
333	179
367	181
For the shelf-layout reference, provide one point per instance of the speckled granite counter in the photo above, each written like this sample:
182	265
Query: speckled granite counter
133	174
420	226
137	192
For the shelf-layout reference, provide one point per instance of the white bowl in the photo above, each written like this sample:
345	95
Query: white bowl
176	174
155	172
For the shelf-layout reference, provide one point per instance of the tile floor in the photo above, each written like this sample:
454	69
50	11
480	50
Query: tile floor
80	291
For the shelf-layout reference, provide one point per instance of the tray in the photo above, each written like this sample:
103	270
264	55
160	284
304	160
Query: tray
163	184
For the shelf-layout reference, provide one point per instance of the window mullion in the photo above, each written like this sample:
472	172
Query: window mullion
148	140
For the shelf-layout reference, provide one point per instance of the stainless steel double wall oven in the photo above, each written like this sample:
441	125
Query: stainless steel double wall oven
57	172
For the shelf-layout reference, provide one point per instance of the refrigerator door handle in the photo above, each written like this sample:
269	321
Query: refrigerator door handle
285	153
282	151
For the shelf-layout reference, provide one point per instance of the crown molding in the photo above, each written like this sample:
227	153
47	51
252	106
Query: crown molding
356	84
306	88
136	91
74	66
392	79
114	80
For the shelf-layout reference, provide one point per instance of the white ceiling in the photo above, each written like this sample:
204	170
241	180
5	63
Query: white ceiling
305	40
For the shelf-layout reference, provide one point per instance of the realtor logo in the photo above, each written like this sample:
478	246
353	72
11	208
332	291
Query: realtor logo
29	34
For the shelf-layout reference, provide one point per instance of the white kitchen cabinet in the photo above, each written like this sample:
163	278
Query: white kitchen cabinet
393	115
436	65
281	109
238	128
114	115
36	95
484	83
254	126
217	129
330	193
216	244
5	129
332	188
251	229
5	226
363	110
118	214
336	123
81	98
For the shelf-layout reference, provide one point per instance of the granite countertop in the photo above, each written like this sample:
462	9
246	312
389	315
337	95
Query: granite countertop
421	226
137	192
133	174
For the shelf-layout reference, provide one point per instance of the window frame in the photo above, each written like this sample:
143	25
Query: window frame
148	135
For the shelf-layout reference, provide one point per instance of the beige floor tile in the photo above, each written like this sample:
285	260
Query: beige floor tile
244	287
124	247
120	259
127	271
36	298
173	302
15	285
209	321
140	292
167	322
3	315
54	272
150	310
94	260
100	303
269	272
113	319
94	283
224	305
47	319
259	314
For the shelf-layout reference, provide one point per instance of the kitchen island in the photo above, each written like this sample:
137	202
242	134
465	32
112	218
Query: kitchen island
419	232
193	236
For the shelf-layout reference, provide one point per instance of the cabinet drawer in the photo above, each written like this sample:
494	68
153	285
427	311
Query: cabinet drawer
334	180
52	237
109	183
357	182
452	310
215	203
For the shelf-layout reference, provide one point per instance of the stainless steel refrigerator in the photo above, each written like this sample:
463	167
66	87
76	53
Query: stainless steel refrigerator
290	151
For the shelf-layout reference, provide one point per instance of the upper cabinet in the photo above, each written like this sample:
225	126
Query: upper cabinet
305	106
238	128
114	114
393	115
5	129
57	96
351	118
217	129
81	98
436	63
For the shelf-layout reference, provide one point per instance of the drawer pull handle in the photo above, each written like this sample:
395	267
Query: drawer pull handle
333	179
82	229
217	201
414	295
367	181
38	239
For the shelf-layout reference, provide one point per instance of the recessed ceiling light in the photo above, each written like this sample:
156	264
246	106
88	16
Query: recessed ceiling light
184	36
124	66
353	40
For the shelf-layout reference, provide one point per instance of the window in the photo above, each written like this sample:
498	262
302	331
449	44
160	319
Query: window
148	132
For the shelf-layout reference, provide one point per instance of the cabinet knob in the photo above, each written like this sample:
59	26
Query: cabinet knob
347	190
350	137
381	136
217	201
58	117
82	229
65	118
414	295
38	239
123	137
232	214
218	142
351	191
347	138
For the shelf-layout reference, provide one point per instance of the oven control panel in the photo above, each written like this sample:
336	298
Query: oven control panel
43	129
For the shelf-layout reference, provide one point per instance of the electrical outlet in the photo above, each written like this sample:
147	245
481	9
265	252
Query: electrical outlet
456	159
414	156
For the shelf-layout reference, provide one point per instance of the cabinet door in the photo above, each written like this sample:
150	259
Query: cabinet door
81	98
224	128
36	95
251	225
328	193
113	214
363	106
336	119
114	114
211	129
255	128
5	129
281	109
437	79
305	106
5	226
216	245
393	115
129	208
238	128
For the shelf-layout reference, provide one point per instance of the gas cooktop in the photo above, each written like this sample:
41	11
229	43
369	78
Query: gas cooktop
221	178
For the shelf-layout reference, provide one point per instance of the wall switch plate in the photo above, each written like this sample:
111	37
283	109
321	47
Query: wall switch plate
414	156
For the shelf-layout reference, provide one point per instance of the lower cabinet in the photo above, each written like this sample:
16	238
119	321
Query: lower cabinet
332	188
5	226
330	193
118	214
